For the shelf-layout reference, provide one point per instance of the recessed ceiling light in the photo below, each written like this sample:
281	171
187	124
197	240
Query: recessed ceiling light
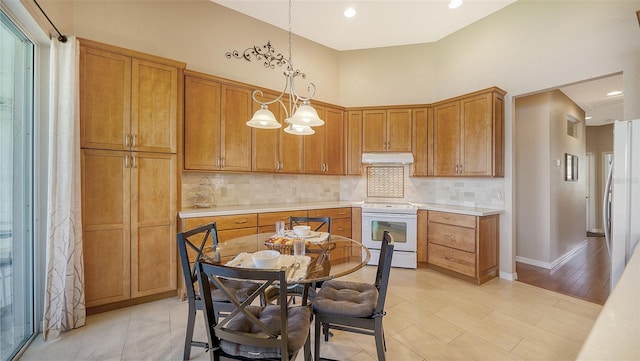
350	12
455	4
614	93
587	118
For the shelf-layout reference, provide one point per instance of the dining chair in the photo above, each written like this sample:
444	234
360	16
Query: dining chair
191	245
355	306
250	331
316	223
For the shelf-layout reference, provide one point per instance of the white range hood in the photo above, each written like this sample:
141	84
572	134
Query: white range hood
387	158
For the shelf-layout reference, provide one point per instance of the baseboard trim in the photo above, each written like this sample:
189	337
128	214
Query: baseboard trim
567	256
533	262
555	264
508	276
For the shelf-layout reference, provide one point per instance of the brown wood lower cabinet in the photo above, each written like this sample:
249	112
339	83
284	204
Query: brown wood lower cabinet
128	216
463	245
422	238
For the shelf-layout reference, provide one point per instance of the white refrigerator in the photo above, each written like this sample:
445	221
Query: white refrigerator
621	205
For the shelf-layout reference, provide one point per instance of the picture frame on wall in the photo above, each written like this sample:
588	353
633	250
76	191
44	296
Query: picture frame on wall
571	168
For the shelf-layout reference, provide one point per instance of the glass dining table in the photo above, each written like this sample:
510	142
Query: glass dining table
334	257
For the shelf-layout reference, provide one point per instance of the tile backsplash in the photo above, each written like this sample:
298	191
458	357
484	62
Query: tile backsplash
253	188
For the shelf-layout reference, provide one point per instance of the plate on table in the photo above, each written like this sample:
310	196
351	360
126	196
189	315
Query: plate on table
292	234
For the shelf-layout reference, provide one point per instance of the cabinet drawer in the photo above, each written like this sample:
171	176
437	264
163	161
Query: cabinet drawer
453	259
191	223
334	213
236	221
341	227
461	220
452	236
270	218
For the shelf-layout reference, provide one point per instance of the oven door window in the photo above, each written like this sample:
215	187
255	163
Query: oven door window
397	229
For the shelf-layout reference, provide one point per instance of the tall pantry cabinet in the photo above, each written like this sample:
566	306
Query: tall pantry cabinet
129	120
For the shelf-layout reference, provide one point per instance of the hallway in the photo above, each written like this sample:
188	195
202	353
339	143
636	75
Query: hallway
585	276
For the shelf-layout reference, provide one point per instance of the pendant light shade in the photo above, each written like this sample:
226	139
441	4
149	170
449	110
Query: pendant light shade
264	119
305	115
299	130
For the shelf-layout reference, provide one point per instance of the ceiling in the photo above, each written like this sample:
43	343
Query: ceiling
383	23
377	23
592	97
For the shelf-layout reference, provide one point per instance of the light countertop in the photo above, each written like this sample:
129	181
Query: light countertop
263	208
616	333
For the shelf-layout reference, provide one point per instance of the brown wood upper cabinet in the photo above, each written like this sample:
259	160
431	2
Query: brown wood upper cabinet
215	134
468	135
422	142
273	150
323	151
353	147
127	102
386	130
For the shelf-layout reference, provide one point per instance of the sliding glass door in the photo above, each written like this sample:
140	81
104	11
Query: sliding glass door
16	189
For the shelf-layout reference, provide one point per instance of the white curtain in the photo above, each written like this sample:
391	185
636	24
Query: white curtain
64	306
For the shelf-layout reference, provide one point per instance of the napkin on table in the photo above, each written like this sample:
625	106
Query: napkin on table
244	260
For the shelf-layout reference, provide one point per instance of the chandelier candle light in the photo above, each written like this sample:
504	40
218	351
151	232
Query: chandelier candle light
300	116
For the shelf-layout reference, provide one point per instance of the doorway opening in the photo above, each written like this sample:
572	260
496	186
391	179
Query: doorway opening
558	223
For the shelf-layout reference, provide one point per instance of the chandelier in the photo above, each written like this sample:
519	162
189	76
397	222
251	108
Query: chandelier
300	115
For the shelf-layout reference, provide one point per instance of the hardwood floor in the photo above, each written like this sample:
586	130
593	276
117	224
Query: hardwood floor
585	276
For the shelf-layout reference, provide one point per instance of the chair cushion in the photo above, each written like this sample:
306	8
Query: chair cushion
298	329
346	298
241	289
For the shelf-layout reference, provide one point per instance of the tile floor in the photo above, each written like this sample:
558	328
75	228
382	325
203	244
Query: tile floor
430	316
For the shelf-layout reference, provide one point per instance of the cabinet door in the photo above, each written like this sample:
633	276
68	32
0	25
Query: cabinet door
421	143
291	149
422	237
201	124
399	130
106	225
354	143
154	107
314	146
334	141
153	223
446	139
476	134
235	151
374	131
265	145
105	99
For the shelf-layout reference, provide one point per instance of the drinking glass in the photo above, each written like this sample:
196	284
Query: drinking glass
280	228
298	247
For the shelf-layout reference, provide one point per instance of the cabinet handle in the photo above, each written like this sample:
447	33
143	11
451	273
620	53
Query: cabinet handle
241	221
126	140
448	236
133	162
450	259
277	165
221	162
461	171
126	161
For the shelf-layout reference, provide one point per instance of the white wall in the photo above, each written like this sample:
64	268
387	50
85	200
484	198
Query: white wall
200	33
550	212
568	202
532	159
